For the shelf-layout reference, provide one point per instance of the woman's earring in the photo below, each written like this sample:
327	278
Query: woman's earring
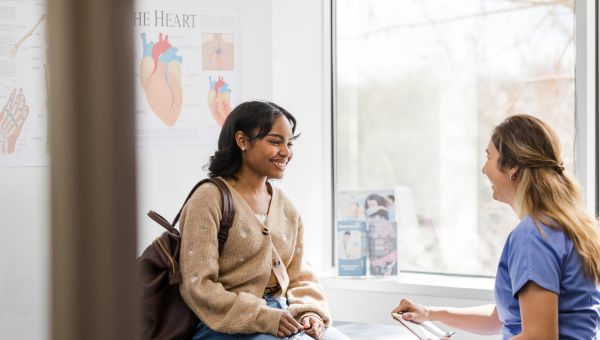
512	177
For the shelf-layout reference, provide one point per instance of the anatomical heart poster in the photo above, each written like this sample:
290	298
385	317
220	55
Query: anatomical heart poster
187	73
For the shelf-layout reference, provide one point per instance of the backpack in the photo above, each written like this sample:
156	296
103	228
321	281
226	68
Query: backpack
164	313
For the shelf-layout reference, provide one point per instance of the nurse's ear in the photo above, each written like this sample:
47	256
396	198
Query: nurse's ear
513	173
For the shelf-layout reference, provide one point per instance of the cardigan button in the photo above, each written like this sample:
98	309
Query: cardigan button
265	231
276	263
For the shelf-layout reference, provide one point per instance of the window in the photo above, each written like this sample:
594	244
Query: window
419	86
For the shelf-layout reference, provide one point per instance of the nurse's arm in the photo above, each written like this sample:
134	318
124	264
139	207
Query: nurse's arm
480	319
539	313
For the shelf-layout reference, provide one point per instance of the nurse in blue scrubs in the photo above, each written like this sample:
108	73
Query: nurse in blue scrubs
548	274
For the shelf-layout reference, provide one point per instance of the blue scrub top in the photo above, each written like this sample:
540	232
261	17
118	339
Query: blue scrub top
552	262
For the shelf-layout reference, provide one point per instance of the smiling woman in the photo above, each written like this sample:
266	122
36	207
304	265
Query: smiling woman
503	185
260	286
268	155
250	128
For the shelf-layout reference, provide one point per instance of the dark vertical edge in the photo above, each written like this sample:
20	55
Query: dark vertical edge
92	149
124	169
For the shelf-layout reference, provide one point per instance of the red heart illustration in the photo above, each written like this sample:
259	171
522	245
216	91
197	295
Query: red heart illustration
160	74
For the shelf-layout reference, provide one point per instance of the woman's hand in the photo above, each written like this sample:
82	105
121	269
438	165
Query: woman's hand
288	325
313	326
412	311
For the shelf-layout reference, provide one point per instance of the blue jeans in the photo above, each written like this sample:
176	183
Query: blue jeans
203	332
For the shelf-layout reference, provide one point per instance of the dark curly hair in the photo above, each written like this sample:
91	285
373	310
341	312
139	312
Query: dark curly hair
255	119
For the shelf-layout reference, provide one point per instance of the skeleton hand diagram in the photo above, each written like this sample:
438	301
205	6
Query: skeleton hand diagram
12	118
219	99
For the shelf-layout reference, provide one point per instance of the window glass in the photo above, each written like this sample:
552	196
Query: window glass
419	87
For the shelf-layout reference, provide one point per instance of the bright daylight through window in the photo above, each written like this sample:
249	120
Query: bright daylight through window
420	84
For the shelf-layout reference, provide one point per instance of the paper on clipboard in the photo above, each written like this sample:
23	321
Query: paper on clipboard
423	331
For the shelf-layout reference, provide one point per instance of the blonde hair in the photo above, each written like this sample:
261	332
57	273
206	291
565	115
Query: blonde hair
544	190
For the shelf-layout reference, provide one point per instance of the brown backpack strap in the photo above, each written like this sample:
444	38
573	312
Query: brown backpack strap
163	222
227	209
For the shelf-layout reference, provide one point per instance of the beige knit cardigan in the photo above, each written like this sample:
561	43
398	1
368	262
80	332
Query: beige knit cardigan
225	291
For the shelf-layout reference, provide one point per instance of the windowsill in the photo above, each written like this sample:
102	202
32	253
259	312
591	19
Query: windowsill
438	285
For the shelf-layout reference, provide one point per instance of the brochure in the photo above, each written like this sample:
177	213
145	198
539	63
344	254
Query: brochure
383	254
352	248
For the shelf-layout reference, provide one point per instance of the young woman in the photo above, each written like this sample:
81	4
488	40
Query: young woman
260	287
547	278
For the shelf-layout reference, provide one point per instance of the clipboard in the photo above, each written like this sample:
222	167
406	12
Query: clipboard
423	331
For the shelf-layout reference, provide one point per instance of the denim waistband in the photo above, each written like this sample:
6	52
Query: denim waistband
278	302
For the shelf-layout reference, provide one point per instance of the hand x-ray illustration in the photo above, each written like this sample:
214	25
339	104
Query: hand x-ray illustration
12	118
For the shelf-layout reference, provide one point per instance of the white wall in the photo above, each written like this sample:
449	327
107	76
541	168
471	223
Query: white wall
24	248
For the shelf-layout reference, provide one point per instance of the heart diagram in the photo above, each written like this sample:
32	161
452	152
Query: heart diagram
160	75
219	99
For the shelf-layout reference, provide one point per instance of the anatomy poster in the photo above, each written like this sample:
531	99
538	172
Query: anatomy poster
187	73
23	84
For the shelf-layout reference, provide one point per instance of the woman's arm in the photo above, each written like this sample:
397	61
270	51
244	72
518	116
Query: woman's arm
480	319
539	313
305	295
